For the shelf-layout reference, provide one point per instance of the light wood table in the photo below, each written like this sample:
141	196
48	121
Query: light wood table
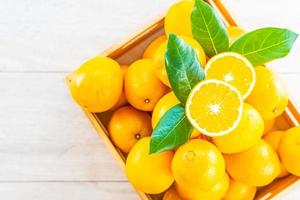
48	149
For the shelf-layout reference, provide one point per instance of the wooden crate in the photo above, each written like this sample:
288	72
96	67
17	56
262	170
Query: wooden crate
132	49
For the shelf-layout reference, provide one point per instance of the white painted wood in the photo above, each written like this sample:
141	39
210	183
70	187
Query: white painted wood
59	35
45	136
67	191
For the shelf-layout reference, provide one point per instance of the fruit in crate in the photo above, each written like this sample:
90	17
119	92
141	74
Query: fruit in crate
149	173
142	87
97	84
128	125
269	95
274	138
178	20
209	93
198	165
217	191
214	107
233	69
153	46
239	191
289	150
246	134
257	166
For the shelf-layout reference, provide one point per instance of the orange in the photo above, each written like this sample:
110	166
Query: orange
273	138
127	125
233	69
97	84
198	165
163	105
239	191
178	18
246	134
153	46
122	100
214	107
234	33
269	124
149	173
289	150
257	166
142	87
269	95
172	194
159	58
216	192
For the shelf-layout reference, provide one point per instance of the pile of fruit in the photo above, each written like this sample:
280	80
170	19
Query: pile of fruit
199	116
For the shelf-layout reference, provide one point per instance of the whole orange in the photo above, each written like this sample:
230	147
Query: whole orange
257	166
142	87
269	95
289	150
97	84
128	125
216	192
239	191
149	173
178	18
198	165
153	46
273	138
246	134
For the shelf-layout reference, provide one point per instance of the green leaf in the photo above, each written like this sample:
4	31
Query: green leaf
173	130
208	29
182	66
266	44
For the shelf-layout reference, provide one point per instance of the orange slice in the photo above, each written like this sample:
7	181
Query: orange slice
214	107
234	69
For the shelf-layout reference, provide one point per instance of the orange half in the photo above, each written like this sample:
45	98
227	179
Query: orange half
214	107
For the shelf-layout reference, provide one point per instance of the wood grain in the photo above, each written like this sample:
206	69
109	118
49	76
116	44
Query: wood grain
45	136
67	190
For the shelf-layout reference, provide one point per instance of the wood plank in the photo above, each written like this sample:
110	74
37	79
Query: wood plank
67	190
59	35
45	136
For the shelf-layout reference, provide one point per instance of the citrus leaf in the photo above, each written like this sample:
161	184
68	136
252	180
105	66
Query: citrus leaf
182	66
208	29
173	130
266	44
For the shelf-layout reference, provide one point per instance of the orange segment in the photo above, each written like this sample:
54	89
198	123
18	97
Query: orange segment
214	107
234	69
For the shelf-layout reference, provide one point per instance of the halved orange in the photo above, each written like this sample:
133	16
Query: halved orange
234	69
214	107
